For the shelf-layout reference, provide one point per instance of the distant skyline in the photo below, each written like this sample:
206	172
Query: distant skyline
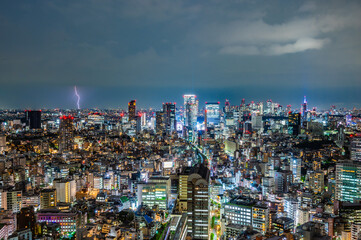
119	98
155	51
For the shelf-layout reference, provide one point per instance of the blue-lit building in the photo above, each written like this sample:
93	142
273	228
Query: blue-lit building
213	114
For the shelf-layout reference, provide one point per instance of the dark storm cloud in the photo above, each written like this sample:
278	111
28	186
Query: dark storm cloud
156	50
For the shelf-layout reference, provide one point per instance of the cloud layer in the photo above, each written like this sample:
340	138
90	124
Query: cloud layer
212	44
308	29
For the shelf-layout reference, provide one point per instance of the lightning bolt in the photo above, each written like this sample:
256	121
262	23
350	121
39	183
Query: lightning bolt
77	95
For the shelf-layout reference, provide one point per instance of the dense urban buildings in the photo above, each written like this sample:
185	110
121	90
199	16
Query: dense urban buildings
180	120
238	171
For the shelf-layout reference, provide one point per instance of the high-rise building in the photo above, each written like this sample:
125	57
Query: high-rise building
198	202
155	192
269	107
152	194
48	198
26	219
296	169
316	181
3	147
351	213
159	123
191	110
213	113
348	181
66	133
304	109
244	211
227	106
356	231
283	180
14	200
247	128
294	123
257	122
143	118
33	119
290	207
132	109
239	211
65	190
162	180
268	186
356	149
183	188
138	126
169	117
261	218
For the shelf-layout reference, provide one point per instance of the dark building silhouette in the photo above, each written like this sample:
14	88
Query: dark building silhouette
159	122
169	117
26	219
33	119
138	124
131	110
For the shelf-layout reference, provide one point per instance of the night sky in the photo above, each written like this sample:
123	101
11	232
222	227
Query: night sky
156	51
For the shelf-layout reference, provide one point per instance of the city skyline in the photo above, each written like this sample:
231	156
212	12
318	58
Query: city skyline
76	100
159	50
180	119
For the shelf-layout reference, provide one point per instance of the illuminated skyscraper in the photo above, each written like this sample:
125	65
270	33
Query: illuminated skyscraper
294	123
131	110
227	106
159	122
257	122
66	133
191	110
213	114
348	181
169	117
304	109
296	169
198	202
144	119
193	199
356	149
269	107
